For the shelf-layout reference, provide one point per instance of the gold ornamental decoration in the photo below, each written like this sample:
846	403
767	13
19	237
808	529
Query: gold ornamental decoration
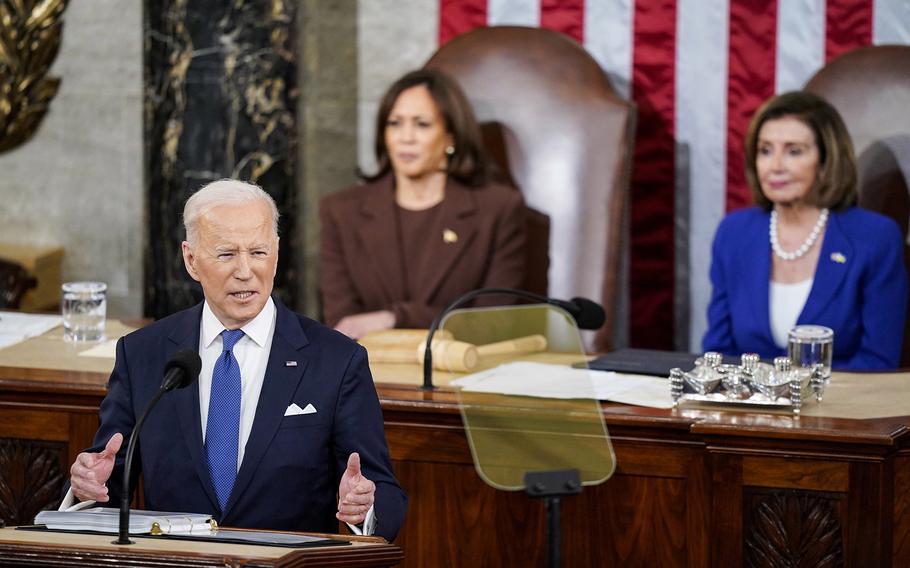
30	32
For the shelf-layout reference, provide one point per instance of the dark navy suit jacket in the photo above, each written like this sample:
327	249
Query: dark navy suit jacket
859	289
292	465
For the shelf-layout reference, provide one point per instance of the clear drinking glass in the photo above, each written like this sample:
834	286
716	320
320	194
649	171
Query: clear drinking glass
811	345
84	309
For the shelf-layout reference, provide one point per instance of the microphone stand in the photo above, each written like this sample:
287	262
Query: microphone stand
460	300
124	534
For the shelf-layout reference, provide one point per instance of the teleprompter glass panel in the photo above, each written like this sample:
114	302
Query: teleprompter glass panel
525	409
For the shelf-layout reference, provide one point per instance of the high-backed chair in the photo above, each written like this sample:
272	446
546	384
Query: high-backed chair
870	87
14	283
568	140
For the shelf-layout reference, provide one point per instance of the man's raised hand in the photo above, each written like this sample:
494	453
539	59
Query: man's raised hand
90	472
355	493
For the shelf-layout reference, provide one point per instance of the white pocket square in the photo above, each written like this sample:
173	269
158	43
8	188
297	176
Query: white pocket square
294	410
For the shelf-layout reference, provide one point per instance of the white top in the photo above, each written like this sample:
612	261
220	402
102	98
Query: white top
785	303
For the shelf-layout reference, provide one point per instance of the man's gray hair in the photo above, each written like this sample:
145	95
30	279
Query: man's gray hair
223	192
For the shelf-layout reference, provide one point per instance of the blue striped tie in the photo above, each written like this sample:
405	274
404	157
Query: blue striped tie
222	431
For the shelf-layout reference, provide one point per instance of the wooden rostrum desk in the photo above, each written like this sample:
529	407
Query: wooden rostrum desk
694	486
46	548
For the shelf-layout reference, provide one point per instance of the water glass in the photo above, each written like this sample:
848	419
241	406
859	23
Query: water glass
811	345
84	310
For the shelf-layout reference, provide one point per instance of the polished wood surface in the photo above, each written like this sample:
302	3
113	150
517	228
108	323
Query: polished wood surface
46	548
693	486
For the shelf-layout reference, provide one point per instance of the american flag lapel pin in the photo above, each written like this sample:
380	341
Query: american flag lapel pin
290	363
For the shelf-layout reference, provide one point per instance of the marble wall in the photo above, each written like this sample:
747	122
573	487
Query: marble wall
221	92
79	183
327	118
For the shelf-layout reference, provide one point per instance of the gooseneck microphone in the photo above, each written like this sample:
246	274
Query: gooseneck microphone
586	313
182	369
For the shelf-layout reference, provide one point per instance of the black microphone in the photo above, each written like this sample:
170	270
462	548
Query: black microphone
180	371
586	313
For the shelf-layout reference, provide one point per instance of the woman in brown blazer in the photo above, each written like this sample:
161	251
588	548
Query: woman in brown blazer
429	226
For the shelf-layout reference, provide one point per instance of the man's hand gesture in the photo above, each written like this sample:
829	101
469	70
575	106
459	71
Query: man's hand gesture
90	472
355	493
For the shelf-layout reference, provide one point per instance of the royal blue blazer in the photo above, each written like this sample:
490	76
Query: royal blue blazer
292	465
859	290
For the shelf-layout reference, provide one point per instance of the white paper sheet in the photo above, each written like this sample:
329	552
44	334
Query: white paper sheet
560	381
105	350
16	326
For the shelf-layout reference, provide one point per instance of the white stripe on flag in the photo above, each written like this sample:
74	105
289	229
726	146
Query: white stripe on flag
701	95
608	38
890	22
513	13
800	42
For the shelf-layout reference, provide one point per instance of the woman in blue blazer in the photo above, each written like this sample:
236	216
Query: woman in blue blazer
805	254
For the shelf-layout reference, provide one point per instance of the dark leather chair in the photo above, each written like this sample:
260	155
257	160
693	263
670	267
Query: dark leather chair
14	283
870	87
555	124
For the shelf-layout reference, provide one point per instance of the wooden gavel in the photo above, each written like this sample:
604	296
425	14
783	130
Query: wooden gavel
459	356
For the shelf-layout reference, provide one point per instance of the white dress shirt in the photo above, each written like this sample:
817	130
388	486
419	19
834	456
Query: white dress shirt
252	354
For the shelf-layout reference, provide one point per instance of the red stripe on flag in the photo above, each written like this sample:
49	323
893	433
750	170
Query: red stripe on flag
653	174
750	80
564	16
459	16
848	25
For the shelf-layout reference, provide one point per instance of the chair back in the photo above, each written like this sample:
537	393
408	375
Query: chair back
870	88
566	140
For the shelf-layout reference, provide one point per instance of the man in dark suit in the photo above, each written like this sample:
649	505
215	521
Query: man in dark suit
284	414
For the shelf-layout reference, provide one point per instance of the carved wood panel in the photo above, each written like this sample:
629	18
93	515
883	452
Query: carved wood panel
789	528
31	478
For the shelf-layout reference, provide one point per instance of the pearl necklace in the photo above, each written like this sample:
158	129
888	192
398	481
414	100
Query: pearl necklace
807	244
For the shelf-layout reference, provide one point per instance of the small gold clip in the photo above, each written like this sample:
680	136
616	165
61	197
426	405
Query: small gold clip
156	529
449	236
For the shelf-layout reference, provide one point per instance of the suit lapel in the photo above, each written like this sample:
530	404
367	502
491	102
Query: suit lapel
278	387
379	240
830	272
185	335
448	239
755	274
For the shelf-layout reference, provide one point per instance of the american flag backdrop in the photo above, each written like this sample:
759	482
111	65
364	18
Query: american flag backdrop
697	69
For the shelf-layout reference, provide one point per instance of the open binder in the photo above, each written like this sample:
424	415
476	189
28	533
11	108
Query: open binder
180	526
106	519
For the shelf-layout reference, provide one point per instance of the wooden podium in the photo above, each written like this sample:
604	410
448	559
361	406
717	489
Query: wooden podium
47	548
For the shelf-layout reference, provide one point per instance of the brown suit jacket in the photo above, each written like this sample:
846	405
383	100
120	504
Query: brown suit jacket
361	265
